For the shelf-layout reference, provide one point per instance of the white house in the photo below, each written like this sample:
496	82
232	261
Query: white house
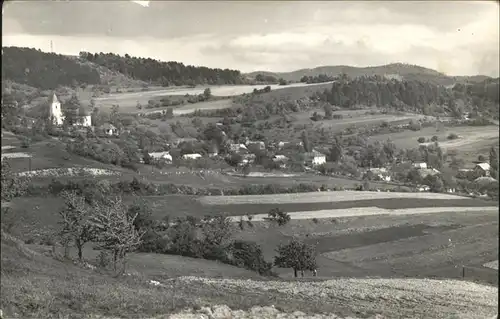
257	144
237	148
380	174
191	156
109	129
420	165
161	156
280	158
315	158
482	169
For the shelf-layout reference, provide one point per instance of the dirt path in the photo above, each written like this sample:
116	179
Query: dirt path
317	197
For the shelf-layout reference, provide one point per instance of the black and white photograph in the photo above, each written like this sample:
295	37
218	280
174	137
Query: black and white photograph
249	159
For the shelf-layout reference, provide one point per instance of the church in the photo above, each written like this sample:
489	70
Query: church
83	117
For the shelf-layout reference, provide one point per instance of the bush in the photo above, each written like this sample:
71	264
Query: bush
434	138
452	136
278	216
248	254
421	140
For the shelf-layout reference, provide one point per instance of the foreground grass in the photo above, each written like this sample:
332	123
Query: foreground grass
37	286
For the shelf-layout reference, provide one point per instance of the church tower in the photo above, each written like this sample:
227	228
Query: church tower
55	111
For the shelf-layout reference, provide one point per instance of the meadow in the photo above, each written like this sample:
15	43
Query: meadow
129	100
472	142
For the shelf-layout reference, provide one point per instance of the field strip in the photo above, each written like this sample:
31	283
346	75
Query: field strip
399	298
318	197
492	265
369	211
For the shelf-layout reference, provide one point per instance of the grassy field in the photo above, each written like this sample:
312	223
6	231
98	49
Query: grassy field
37	286
50	154
129	100
421	245
472	141
320	197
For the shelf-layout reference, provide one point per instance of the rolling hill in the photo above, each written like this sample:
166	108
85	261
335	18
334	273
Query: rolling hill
409	72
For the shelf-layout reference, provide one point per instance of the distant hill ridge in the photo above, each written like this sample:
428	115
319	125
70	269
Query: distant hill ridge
407	71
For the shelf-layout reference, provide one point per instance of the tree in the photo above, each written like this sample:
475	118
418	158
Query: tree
296	255
336	150
328	111
306	142
116	230
494	162
279	216
216	230
207	93
143	213
12	184
70	110
75	221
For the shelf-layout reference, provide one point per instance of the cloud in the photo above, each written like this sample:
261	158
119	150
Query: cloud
453	37
142	3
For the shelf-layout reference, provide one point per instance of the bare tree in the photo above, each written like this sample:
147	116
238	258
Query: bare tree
75	217
116	230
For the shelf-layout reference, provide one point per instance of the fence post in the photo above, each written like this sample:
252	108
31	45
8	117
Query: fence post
463	271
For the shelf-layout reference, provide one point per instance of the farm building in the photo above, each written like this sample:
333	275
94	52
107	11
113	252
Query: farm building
256	144
191	156
315	158
380	174
420	165
424	172
161	156
482	169
109	129
182	140
280	158
238	148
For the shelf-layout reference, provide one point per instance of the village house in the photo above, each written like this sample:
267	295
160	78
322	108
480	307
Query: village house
165	156
424	172
314	158
482	169
247	159
184	139
193	156
380	174
238	148
260	145
109	129
420	165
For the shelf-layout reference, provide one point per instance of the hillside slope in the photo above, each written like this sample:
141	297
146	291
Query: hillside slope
409	72
37	286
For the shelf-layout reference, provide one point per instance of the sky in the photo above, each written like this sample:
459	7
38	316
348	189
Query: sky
453	37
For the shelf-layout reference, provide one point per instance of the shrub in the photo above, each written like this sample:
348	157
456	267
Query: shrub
278	216
434	138
421	140
248	254
452	136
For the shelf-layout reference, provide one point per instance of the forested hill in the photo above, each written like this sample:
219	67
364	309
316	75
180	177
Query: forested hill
416	96
47	71
163	73
44	70
405	71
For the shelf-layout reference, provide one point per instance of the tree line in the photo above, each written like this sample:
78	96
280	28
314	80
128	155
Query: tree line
163	73
46	71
